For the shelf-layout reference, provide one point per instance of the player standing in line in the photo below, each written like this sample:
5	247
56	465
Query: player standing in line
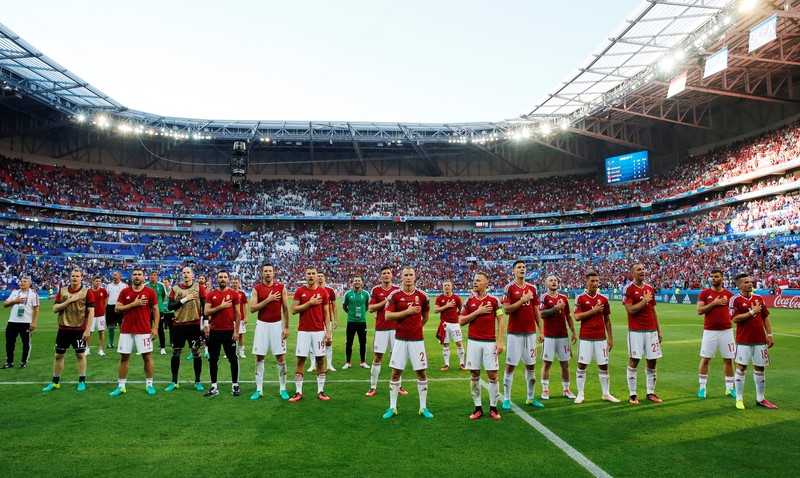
753	339
270	300
224	317
448	306
481	312
24	304
187	300
138	304
409	308
161	293
354	304
236	287
313	331
167	316
202	281
74	305
644	332
713	304
99	323
113	319
554	309
384	331
593	311
334	312
521	305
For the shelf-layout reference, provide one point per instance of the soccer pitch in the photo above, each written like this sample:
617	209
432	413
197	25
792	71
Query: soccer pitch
182	432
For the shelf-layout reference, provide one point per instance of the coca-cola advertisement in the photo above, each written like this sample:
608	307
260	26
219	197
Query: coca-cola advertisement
782	301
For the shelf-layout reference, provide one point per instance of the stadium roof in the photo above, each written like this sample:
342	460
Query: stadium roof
652	30
618	95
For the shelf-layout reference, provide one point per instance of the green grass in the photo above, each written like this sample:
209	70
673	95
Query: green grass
64	432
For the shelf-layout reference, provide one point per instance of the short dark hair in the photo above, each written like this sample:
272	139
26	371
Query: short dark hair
266	264
96	277
137	269
385	268
518	261
223	271
739	277
591	273
633	266
717	271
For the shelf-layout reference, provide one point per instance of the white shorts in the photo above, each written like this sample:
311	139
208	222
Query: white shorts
383	340
269	336
144	343
758	354
99	324
452	330
406	350
643	345
592	348
243	328
556	347
309	343
718	339
520	347
482	353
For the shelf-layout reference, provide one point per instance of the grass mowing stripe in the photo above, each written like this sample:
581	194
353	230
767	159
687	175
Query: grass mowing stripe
557	441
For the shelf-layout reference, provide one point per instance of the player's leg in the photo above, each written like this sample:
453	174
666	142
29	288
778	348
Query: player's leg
229	345
25	336
62	344
651	375
80	353
513	356
419	362
380	342
400	356
101	338
760	361
702	376
197	361
162	336
741	368
179	339
11	342
122	372
727	348
474	360
214	344
446	355
361	331
529	359
548	354
329	355
492	365
301	352
459	341
260	349
350	335
635	352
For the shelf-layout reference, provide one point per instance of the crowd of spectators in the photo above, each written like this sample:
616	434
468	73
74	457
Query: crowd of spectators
141	193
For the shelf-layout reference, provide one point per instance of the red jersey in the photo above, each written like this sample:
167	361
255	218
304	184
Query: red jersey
482	328
100	301
223	319
313	318
523	320
751	331
378	295
719	317
331	295
592	328
449	315
242	304
555	326
272	311
137	319
409	327
645	319
89	303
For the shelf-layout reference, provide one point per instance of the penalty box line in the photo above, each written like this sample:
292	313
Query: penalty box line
571	452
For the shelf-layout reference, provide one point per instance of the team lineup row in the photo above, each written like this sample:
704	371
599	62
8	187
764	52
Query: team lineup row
215	317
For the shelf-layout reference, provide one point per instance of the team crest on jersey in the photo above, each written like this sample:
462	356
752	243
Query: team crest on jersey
303	295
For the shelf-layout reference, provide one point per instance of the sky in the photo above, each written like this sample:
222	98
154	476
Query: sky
410	61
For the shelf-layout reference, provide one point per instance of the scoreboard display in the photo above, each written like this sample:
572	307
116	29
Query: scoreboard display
627	168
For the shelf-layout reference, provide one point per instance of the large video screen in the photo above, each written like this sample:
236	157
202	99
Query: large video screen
627	168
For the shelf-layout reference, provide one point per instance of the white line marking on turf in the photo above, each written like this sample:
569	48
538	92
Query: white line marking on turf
188	383
557	441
